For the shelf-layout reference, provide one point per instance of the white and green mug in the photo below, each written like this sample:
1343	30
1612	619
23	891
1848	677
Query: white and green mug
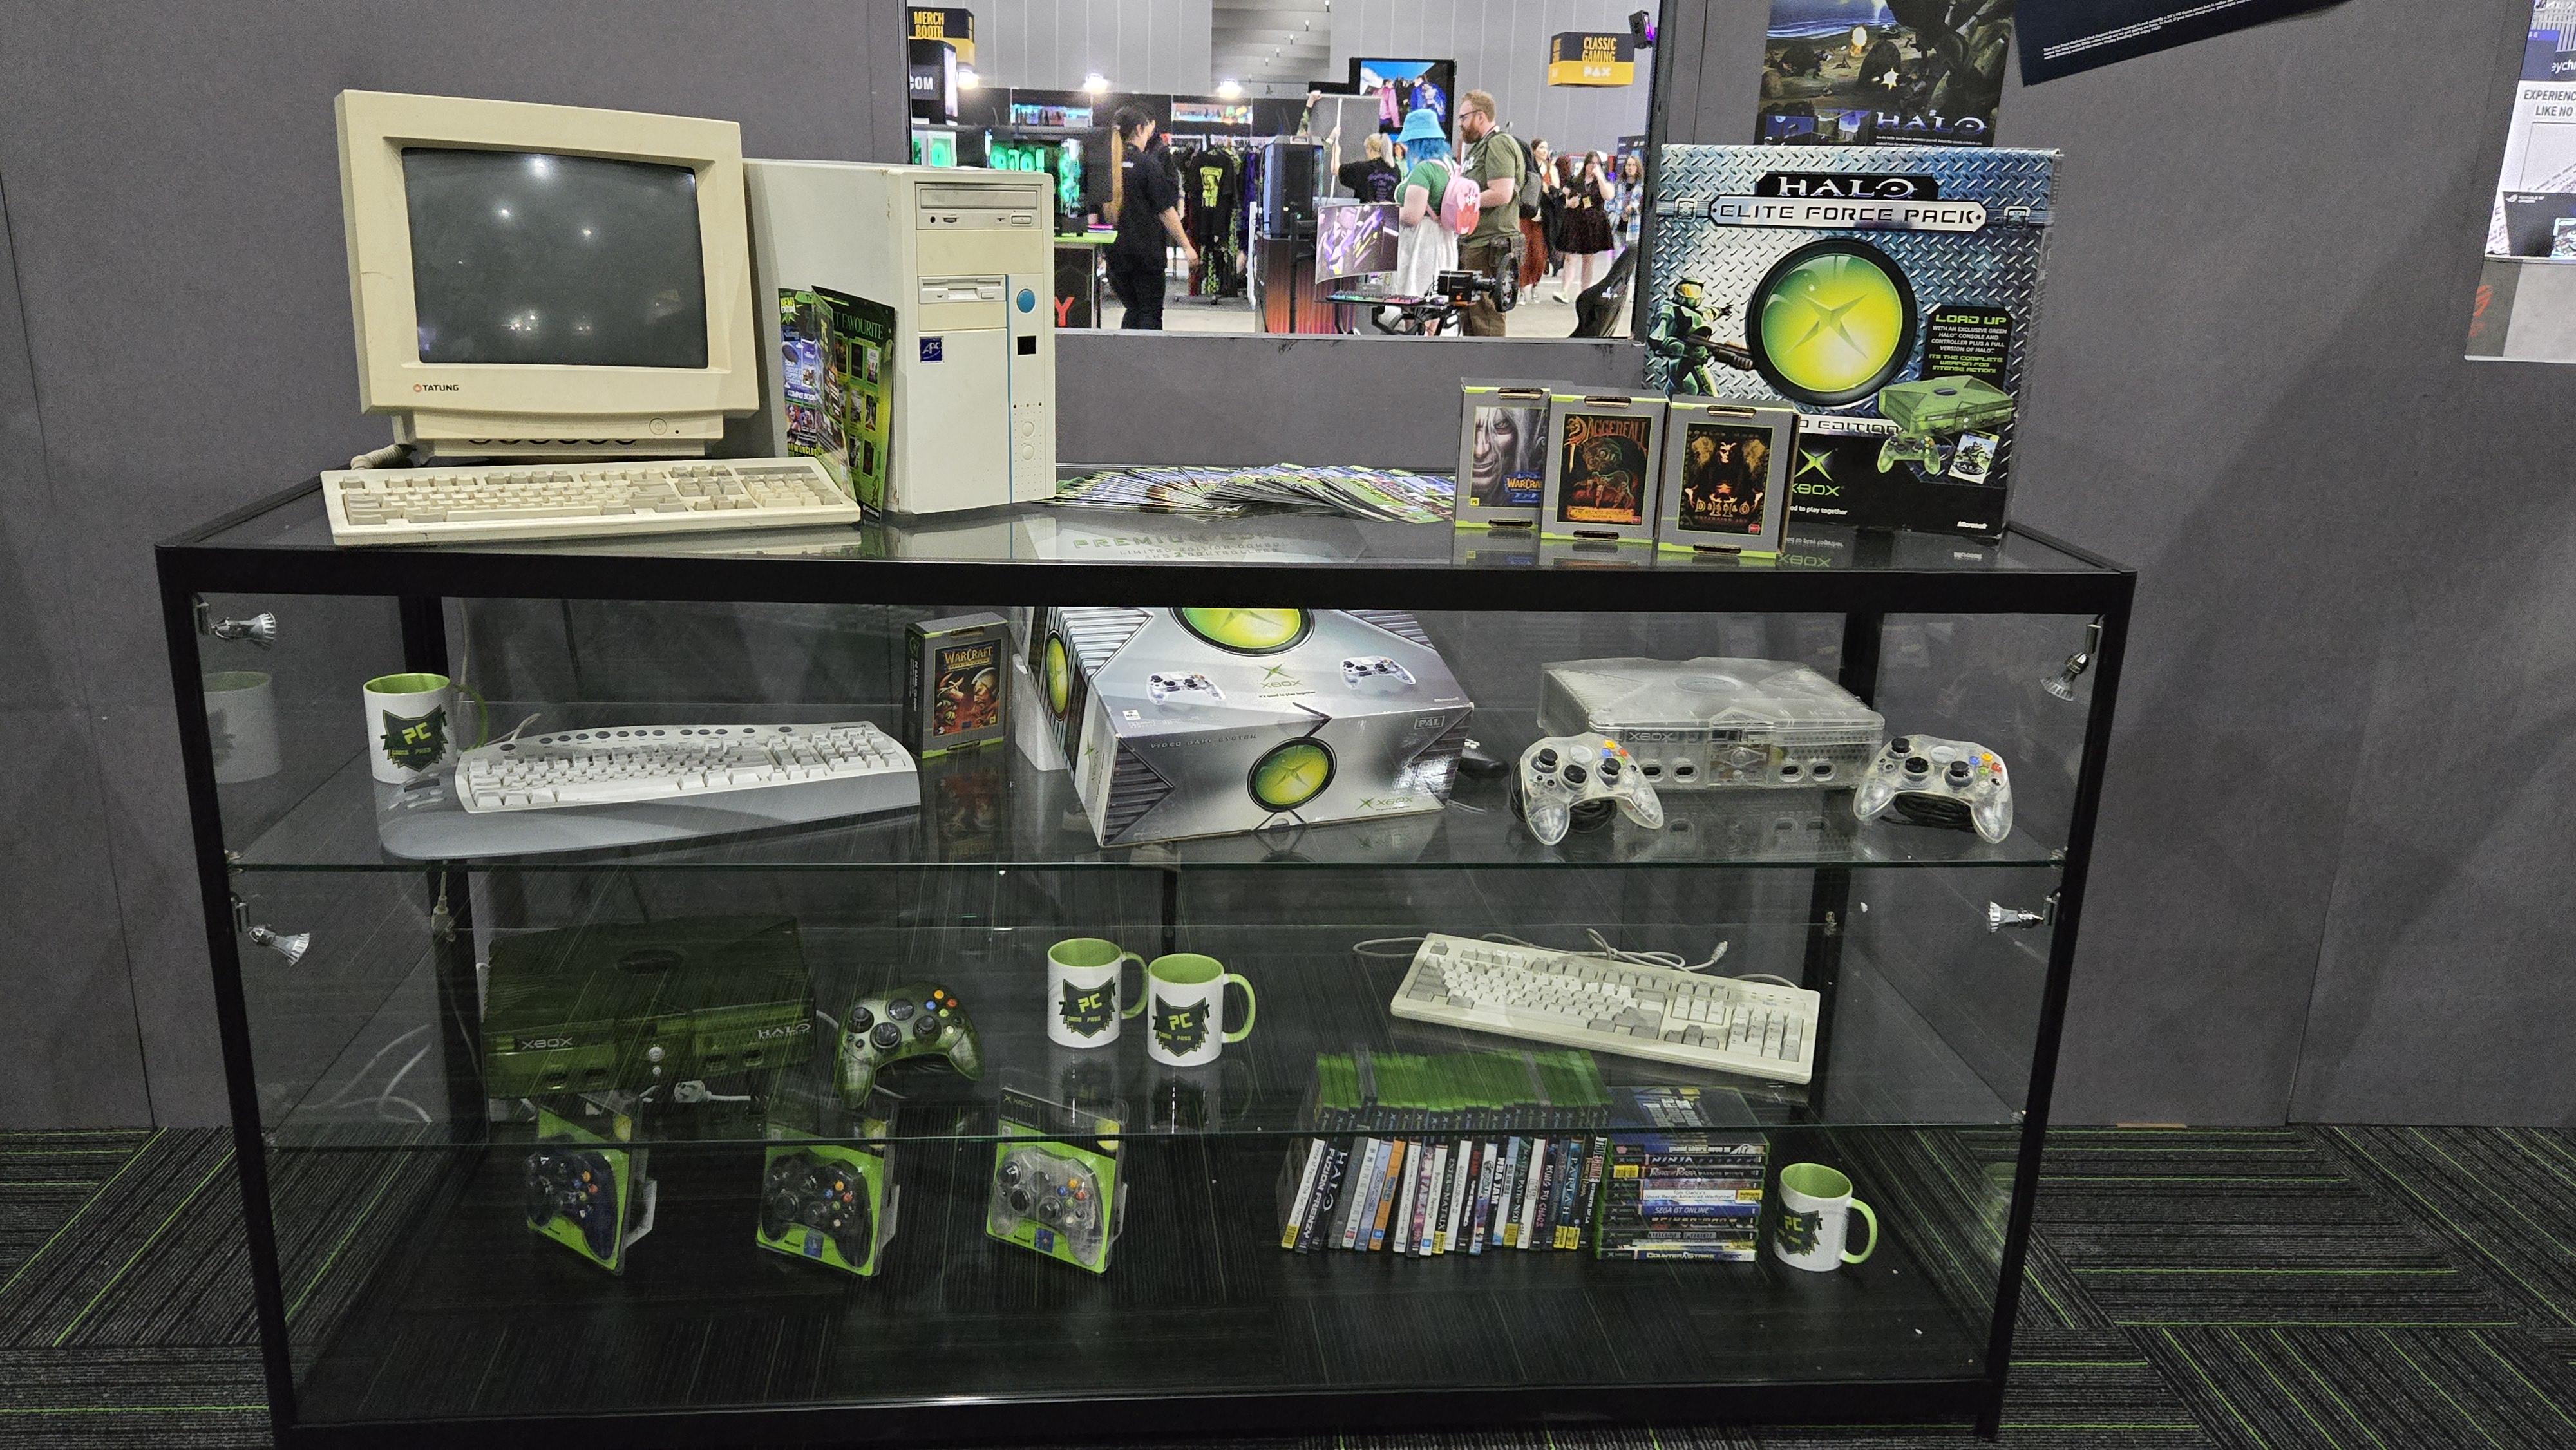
1814	1223
1082	991
409	730
1185	1003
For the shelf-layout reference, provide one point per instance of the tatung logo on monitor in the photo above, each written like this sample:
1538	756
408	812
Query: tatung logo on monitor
438	387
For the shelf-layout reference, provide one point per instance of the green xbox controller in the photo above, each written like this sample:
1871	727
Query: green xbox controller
916	1019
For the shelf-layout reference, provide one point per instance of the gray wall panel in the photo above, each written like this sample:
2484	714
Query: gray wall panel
2271	419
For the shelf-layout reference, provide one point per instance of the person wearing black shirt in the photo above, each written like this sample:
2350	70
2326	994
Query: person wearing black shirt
1149	219
1373	178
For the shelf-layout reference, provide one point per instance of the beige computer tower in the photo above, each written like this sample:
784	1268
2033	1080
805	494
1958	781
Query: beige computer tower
965	258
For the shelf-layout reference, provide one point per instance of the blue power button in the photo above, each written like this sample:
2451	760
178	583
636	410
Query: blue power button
1028	300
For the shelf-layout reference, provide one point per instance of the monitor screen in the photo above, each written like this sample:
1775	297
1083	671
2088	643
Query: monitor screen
1354	239
523	257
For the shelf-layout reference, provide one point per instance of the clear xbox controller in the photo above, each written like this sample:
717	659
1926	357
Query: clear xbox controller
917	1019
1566	771
1196	689
1364	669
1949	776
1059	1193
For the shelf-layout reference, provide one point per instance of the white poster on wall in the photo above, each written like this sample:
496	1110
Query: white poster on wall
2526	303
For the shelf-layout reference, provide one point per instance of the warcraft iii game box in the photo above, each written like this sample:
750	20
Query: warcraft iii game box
1886	293
956	683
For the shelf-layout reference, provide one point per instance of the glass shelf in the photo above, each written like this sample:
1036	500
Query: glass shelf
994	808
1883	1062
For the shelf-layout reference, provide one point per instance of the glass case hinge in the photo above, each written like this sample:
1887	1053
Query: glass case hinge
260	629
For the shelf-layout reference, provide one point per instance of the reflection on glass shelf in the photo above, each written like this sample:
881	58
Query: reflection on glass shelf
1040	533
1882	1061
993	807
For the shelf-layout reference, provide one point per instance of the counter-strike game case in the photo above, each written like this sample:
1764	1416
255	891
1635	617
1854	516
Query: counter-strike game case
1886	293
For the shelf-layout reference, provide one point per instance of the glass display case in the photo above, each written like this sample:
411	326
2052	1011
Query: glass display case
1229	1041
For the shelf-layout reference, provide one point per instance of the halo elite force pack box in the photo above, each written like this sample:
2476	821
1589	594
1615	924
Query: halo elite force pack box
1204	722
1886	293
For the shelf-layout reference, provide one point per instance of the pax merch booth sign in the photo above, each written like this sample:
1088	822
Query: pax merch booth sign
1582	58
957	27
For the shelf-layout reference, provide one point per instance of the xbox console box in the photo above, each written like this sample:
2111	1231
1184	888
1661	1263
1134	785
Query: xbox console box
1887	293
1202	722
1714	723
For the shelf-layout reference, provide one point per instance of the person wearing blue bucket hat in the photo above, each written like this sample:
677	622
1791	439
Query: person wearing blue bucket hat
1424	247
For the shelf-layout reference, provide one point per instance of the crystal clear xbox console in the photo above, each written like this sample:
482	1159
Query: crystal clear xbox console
1710	724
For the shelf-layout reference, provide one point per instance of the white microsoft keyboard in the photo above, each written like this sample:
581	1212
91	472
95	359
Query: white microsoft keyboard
442	505
1723	1023
851	768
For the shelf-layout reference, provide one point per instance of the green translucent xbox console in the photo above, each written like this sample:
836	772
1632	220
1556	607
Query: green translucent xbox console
630	1007
1935	408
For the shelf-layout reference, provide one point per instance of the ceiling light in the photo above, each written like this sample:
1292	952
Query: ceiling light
1095	83
967	80
1228	90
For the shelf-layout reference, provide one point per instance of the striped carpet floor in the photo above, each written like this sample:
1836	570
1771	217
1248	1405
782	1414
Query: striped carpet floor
2394	1288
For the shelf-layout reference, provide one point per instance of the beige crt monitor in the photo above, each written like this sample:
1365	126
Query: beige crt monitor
546	281
966	260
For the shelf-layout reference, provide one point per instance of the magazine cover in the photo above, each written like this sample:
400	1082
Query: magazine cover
1883	72
1886	293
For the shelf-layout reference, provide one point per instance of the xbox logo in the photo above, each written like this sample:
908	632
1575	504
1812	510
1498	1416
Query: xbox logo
1248	631
1059	677
1832	323
1291	774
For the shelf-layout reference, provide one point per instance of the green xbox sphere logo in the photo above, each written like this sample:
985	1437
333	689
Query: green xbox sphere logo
1832	323
1059	677
1248	631
1291	774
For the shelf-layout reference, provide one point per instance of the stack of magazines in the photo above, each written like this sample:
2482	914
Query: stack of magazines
1390	494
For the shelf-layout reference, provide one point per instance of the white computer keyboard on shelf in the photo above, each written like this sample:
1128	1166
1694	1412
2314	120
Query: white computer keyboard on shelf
443	505
799	772
1723	1023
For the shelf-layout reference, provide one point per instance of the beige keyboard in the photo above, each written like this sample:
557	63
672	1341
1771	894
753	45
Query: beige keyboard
569	501
1723	1023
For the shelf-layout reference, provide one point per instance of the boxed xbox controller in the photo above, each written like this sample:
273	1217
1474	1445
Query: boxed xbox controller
1202	722
827	1193
1056	1189
585	1193
1887	293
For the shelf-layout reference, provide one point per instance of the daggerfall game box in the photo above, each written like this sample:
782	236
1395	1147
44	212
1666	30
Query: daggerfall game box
1887	293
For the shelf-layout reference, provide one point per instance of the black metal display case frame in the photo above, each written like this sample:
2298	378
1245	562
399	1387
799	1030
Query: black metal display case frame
242	553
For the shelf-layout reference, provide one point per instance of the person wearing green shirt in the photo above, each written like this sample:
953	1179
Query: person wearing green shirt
1495	164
